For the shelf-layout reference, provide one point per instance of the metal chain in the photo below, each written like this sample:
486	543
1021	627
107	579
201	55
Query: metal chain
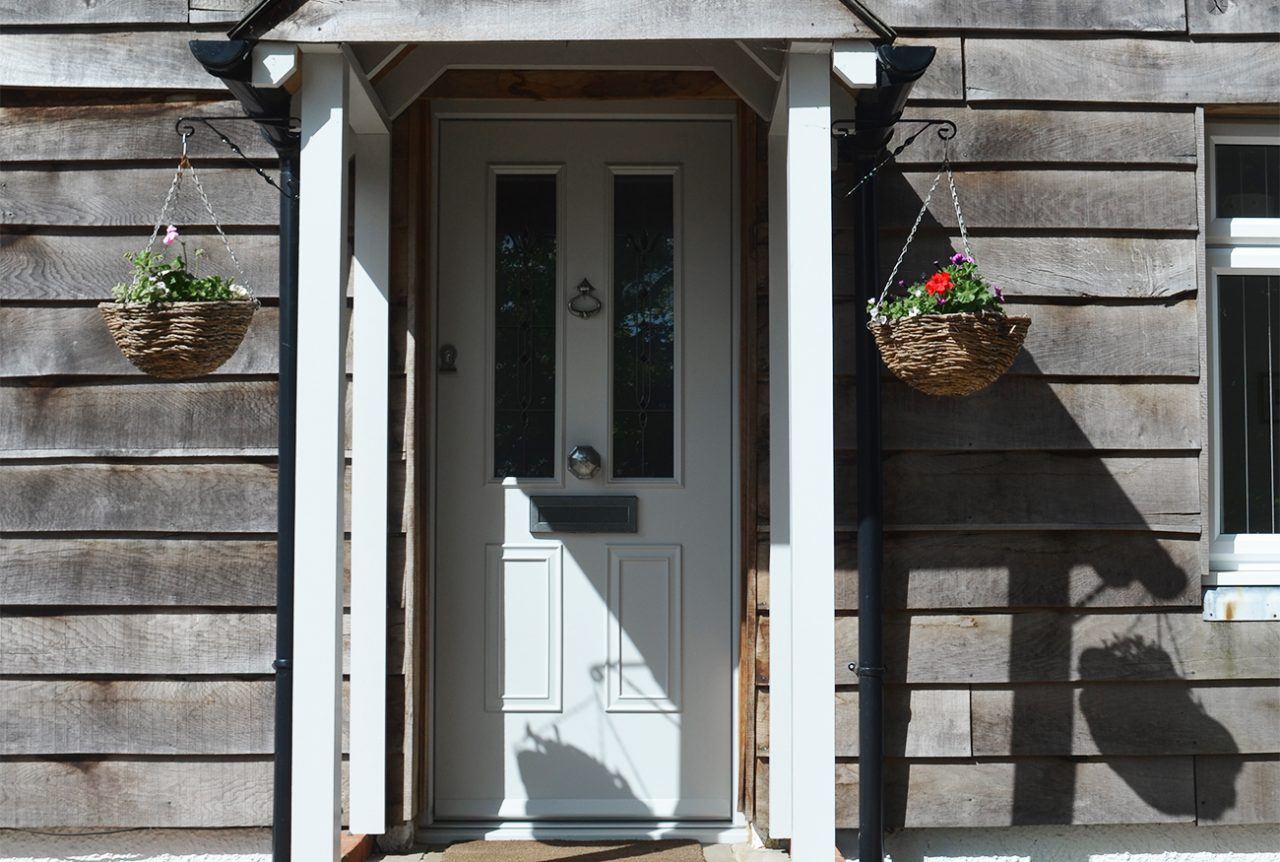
955	201
910	236
185	164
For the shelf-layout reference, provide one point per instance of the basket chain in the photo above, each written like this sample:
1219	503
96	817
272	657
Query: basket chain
174	189
924	207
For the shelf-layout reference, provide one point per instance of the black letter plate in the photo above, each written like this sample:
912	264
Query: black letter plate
582	513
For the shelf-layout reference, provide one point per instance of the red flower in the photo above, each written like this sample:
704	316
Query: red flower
939	284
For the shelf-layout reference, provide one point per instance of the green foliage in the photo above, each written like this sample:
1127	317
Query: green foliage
158	279
956	288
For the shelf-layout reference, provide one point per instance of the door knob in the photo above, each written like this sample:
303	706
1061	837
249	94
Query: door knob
584	462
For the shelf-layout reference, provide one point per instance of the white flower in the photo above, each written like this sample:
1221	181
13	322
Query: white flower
239	291
915	312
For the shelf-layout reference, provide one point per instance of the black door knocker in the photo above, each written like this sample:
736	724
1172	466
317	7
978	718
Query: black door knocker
586	303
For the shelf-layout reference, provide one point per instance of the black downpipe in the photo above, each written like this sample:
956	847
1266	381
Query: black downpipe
870	667
229	60
287	407
878	110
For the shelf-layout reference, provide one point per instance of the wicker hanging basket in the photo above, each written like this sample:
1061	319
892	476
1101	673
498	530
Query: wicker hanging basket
180	339
947	354
950	354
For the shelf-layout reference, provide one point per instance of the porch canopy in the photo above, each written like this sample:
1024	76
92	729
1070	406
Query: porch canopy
354	67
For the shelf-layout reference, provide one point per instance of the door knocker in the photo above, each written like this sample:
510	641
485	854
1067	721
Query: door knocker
586	303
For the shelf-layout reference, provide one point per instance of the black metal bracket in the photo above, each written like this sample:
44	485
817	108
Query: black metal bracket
185	127
845	128
862	670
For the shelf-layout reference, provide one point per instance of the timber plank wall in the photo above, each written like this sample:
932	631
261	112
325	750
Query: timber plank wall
1046	658
137	552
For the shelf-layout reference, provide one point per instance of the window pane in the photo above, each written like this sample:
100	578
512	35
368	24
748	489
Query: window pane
1248	180
1249	386
644	326
524	373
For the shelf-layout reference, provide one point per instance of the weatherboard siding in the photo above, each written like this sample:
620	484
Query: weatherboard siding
1036	606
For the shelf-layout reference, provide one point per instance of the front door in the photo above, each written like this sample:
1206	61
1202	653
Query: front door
584	615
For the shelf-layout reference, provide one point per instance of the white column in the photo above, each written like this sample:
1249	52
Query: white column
317	642
369	457
811	485
780	689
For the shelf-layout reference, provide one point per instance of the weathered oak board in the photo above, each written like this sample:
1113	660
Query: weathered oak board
1117	790
68	266
1107	267
1046	646
1141	718
944	79
1055	198
226	497
58	59
124	132
1130	340
79	716
157	643
43	341
190	572
1068	569
218	11
1097	15
220	418
80	12
1236	790
937	723
1250	16
1029	413
1039	137
131	197
1122	71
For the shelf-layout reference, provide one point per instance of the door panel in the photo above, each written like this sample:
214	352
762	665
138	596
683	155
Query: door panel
584	674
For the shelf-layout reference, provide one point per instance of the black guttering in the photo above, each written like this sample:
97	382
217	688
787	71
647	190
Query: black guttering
264	15
872	20
231	62
878	109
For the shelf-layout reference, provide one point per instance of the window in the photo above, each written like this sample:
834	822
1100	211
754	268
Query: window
1243	255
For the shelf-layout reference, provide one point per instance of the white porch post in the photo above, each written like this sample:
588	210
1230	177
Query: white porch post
371	289
322	268
800	306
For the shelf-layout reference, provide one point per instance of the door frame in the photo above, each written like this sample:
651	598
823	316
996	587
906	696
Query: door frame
734	829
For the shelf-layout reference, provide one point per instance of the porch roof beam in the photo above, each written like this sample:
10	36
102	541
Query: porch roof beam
426	63
367	115
557	20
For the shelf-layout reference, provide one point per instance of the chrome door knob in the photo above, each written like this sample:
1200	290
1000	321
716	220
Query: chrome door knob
584	462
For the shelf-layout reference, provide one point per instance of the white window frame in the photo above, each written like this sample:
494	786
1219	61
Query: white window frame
1236	246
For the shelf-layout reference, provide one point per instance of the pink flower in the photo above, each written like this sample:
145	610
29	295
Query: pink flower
170	234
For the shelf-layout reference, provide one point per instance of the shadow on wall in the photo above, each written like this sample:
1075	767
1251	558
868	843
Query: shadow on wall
1064	661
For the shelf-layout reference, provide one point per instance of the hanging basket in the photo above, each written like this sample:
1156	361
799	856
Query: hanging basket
950	354
180	339
188	337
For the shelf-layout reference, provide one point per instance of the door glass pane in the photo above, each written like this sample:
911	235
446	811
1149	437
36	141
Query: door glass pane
644	326
1247	178
1249	387
524	372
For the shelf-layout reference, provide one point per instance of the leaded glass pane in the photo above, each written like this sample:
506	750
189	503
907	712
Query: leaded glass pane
524	374
1249	399
1247	180
644	326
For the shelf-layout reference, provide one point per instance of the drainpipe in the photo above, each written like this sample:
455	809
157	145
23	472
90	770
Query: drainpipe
230	61
878	110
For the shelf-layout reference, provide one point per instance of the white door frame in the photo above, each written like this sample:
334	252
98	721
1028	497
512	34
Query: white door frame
733	830
338	101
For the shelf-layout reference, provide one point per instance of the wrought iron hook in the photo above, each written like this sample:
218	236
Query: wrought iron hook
185	126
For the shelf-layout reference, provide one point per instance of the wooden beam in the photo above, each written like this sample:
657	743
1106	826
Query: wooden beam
319	515
752	84
275	64
367	116
573	20
371	280
17	13
589	84
52	59
810	410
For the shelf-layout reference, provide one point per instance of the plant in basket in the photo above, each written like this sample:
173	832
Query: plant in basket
948	334
173	322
